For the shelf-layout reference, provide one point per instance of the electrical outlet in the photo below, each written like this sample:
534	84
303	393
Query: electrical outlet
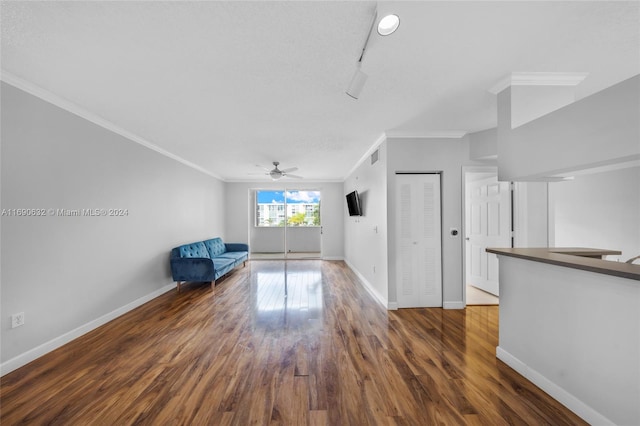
17	319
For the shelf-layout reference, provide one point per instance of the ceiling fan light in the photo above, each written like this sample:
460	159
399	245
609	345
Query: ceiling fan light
275	175
388	25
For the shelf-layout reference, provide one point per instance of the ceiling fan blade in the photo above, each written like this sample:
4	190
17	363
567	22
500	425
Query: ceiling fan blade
258	173
291	169
263	168
293	176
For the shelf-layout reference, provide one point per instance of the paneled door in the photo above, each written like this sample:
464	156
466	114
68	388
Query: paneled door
418	241
488	225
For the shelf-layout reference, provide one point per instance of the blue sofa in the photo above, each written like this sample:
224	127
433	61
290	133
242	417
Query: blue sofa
206	260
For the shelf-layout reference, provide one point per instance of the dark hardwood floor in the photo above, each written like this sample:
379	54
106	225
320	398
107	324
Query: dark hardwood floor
327	354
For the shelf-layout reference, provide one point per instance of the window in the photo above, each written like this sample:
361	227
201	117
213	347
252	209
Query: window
290	208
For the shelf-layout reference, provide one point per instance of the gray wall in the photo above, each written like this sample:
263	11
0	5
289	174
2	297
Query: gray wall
369	240
598	130
66	272
424	155
240	212
365	237
575	334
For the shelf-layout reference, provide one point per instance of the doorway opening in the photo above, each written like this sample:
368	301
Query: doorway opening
488	223
286	224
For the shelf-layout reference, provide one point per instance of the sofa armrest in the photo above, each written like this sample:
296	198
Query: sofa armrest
192	269
236	247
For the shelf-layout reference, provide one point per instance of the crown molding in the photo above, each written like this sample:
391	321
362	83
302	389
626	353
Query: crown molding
539	79
443	134
73	108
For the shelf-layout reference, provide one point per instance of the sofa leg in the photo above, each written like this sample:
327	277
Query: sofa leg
213	286
179	283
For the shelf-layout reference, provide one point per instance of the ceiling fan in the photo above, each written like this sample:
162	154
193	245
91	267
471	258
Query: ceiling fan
276	173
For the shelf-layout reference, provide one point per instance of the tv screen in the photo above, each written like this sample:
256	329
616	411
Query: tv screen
353	204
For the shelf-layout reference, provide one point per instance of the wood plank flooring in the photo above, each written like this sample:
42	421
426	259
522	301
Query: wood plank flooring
327	354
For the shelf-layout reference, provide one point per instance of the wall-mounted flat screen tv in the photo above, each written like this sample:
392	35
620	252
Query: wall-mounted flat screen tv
353	204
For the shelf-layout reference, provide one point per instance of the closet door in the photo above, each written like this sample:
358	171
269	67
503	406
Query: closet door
418	241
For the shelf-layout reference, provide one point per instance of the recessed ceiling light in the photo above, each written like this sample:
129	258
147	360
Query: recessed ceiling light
388	25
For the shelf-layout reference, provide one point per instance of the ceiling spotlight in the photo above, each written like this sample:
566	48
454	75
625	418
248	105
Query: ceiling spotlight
357	83
359	78
388	25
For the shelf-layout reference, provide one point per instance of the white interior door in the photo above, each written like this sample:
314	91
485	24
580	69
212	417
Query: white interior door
488	204
418	241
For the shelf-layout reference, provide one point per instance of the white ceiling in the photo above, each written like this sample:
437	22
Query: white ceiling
228	85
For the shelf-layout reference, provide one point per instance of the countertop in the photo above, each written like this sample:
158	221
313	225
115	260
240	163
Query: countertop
586	259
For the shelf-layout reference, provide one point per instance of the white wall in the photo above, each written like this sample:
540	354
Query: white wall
266	240
303	239
598	210
483	145
597	130
530	214
365	237
300	239
67	272
531	102
240	213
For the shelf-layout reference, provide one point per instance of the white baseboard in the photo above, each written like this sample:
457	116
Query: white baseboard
585	412
367	285
37	352
392	306
453	305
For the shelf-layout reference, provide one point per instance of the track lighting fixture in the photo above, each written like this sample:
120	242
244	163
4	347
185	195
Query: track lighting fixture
386	26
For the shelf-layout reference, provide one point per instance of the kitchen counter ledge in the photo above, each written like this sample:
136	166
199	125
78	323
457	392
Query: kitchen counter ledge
587	259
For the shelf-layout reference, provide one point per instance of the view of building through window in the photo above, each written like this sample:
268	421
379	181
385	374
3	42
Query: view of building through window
293	208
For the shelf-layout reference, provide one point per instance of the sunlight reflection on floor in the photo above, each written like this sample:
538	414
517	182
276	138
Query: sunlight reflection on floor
288	291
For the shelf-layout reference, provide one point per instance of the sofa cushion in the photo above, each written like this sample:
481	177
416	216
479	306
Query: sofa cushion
221	262
194	250
222	265
215	246
237	256
237	247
